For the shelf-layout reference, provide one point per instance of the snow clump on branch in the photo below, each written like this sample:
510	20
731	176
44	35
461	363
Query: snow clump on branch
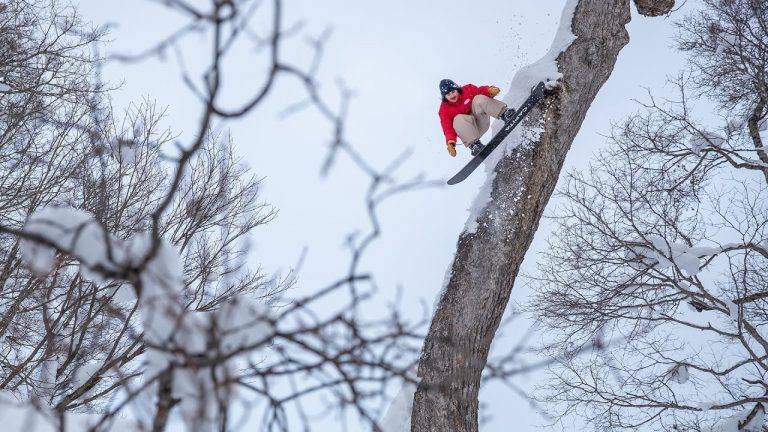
654	251
201	348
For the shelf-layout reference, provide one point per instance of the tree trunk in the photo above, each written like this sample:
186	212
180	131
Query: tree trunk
487	261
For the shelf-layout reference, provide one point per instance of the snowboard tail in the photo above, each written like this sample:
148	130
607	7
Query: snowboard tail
536	95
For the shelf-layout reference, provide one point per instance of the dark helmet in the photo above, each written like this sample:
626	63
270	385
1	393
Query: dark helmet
446	86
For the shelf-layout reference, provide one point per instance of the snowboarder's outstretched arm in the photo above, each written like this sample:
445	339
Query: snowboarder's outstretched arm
449	131
447	123
488	90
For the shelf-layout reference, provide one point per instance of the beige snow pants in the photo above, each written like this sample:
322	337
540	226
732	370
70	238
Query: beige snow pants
471	127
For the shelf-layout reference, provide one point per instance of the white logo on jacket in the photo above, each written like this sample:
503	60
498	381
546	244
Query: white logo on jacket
466	101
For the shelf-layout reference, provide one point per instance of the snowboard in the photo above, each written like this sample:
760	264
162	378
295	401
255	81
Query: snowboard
537	93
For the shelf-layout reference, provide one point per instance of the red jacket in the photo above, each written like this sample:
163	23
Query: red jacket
449	110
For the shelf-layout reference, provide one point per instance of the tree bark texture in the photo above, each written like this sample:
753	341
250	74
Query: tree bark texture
487	261
654	7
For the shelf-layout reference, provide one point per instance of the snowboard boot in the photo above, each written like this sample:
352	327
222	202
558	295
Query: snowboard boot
507	114
476	147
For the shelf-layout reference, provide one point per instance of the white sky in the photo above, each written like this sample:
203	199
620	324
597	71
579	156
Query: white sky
393	54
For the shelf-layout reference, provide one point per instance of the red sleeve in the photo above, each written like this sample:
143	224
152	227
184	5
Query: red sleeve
470	90
474	90
447	124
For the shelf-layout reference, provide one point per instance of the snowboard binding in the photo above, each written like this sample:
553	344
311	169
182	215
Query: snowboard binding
476	147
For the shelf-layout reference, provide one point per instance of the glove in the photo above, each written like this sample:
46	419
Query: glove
452	148
493	91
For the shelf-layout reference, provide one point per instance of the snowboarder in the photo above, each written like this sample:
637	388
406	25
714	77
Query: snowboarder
465	113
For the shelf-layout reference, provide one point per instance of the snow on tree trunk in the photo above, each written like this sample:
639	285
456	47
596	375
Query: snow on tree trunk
488	258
